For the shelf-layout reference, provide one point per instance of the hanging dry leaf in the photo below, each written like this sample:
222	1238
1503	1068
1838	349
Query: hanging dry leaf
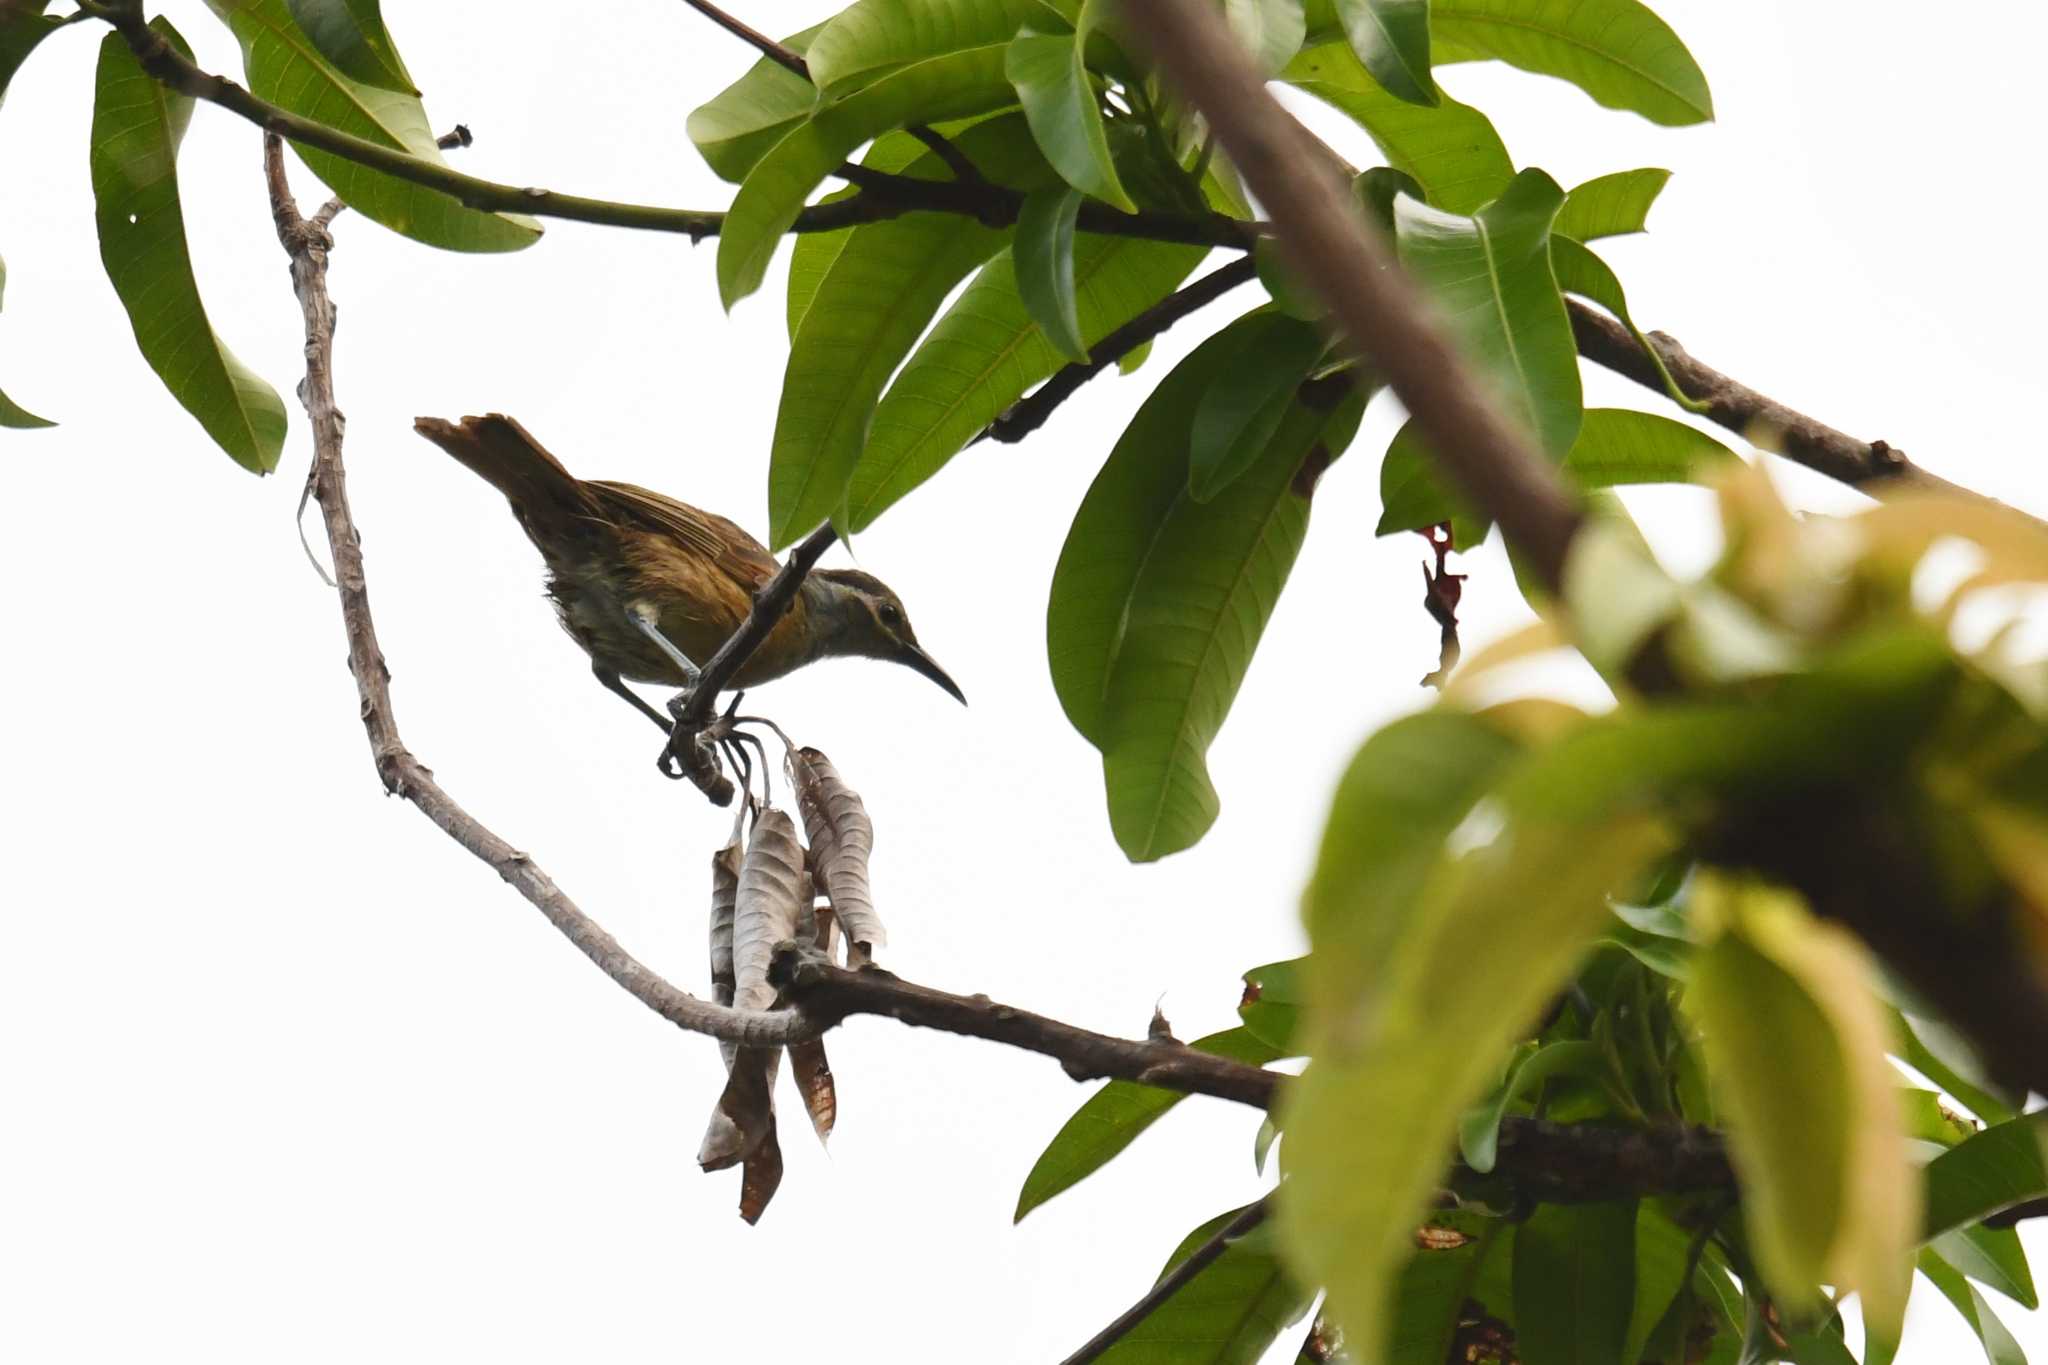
772	890
843	837
722	1140
763	1173
744	1118
813	1074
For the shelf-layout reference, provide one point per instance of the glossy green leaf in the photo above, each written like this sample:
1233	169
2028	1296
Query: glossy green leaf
137	125
739	125
1451	149
1135	357
1929	1120
1610	205
1111	1119
769	199
1581	272
877	295
351	35
985	352
1254	390
1441	1282
1270	30
1615	447
1663	1255
1991	1256
1479	1130
1999	1167
1575	1283
1058	96
18	418
1271	1004
1158	601
1044	262
1999	1346
1262	1143
811	258
1427	964
872	38
1617	51
22	27
1391	38
285	68
1490	273
1228	1314
1928	1050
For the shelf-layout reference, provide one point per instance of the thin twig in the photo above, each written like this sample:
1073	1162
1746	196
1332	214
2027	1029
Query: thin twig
1028	414
1171	1283
753	37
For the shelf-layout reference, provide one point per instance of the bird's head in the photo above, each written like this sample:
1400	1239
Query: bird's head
862	616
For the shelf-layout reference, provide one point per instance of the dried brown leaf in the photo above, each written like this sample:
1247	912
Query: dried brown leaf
722	1138
813	1074
761	1176
772	890
843	837
744	1117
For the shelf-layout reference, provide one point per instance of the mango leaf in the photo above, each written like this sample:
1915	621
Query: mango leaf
1450	149
1271	1004
1992	1256
1435	962
953	86
1479	1130
1575	1283
1058	96
1663	1255
1999	1346
1441	1284
877	294
1786	1006
284	67
19	418
872	38
985	351
1228	1314
1111	1119
1236	417
351	35
737	126
137	125
1270	30
1930	1051
1999	1167
1044	257
1617	51
1581	272
1615	446
1391	37
1610	205
22	26
1490	273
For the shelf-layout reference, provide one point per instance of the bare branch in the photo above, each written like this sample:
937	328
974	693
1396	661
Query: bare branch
1198	1260
753	37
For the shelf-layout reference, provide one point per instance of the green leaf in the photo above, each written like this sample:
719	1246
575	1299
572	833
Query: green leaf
1427	964
1786	1007
1228	1314
351	35
1391	37
877	295
19	418
1491	274
1947	1071
873	38
737	127
1058	96
1999	1346
1111	1119
1610	205
811	258
284	67
1479	1130
1438	1283
137	125
1992	1256
1575	1283
1663	1252
22	27
1271	1004
2000	1167
985	352
1617	51
953	86
1450	149
1929	1120
1580	272
1135	357
1270	30
1237	416
1044	255
1158	601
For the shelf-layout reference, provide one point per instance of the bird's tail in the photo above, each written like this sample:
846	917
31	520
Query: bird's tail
546	495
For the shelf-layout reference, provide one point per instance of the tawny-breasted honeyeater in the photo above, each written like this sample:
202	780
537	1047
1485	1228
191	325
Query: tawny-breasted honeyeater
651	587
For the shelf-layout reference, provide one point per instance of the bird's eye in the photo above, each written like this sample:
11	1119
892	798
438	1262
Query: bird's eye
891	617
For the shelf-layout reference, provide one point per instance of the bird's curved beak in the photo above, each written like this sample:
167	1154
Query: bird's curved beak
914	657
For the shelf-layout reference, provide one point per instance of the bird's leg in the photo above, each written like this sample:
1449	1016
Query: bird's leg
640	703
647	622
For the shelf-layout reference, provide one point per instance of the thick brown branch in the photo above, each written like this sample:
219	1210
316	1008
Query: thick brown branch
1198	1260
1587	1163
1028	414
1486	456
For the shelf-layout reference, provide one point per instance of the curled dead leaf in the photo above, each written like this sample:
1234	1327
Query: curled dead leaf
772	891
842	837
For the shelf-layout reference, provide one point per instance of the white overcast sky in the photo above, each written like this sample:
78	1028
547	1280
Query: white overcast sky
290	1076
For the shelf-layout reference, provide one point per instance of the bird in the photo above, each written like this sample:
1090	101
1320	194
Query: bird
650	587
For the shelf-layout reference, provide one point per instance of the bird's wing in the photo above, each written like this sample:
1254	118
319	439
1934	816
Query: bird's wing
735	552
